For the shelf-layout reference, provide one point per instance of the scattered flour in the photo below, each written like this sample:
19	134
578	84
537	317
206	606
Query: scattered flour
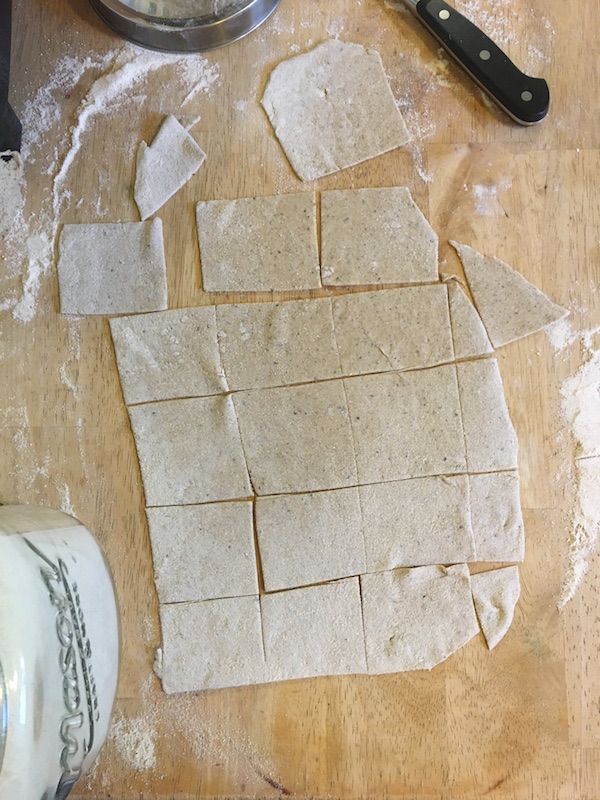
580	395
11	197
29	246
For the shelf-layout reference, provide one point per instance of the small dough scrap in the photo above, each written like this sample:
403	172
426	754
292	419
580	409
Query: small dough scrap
168	354
316	630
416	618
164	167
372	236
393	329
297	439
468	332
490	438
496	517
203	552
113	268
259	244
11	196
211	645
406	425
417	522
332	107
277	344
509	305
495	594
309	538
190	451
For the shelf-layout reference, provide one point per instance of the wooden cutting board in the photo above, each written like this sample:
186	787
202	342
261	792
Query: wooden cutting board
522	722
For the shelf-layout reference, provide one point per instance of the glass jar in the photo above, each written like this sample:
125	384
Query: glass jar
59	652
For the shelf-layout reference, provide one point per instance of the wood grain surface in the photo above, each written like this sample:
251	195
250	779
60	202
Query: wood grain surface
521	722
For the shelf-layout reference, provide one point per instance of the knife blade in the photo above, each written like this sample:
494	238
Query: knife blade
523	98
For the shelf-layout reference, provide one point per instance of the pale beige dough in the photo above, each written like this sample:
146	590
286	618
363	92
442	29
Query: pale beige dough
394	329
113	268
165	166
495	595
468	332
168	354
211	645
276	344
373	236
496	517
11	196
406	425
331	108
315	630
189	451
259	244
491	441
203	552
417	522
416	618
509	305
297	439
309	538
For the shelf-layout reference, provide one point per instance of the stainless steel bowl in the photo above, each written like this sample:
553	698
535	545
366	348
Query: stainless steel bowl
184	25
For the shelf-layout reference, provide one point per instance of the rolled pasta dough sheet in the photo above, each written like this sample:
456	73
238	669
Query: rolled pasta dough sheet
203	552
393	329
417	522
315	630
168	354
416	618
189	451
309	538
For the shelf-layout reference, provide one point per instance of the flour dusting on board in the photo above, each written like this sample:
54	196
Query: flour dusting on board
580	396
135	738
30	243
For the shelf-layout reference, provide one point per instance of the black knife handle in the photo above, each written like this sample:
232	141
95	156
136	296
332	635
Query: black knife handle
525	99
10	127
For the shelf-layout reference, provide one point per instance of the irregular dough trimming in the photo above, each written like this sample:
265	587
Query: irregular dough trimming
495	595
165	166
332	107
373	236
468	332
509	305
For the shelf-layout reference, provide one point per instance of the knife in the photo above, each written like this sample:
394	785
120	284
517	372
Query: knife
523	98
10	127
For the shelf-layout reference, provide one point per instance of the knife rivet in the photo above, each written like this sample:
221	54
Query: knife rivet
484	55
526	96
444	14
